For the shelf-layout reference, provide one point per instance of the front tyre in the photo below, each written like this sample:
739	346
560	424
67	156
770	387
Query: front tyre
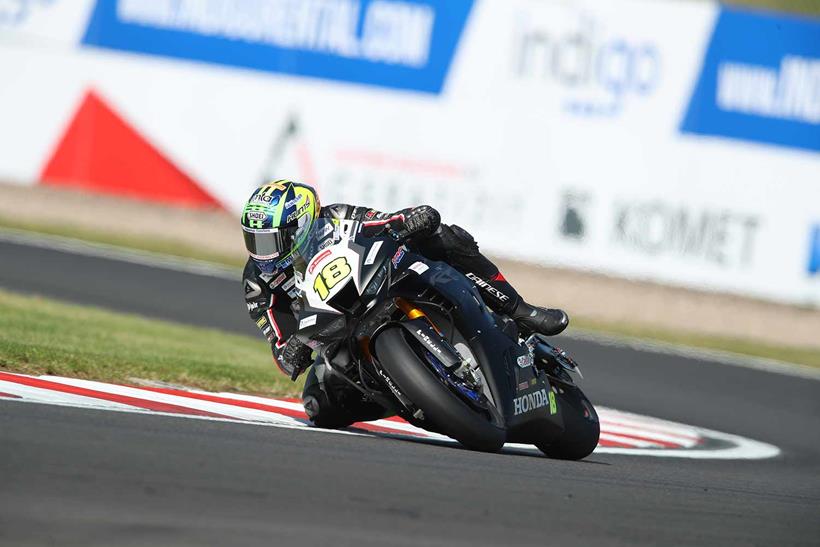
441	406
581	427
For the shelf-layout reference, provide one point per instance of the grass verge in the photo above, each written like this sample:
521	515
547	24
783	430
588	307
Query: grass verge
803	356
41	336
806	7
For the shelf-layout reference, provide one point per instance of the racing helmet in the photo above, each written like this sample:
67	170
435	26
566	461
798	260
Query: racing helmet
276	222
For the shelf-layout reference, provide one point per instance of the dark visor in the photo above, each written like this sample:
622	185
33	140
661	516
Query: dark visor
269	245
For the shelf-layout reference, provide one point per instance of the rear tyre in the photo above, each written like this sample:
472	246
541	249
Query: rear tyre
581	427
441	406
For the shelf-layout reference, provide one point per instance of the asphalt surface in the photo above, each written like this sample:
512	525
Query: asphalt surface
84	477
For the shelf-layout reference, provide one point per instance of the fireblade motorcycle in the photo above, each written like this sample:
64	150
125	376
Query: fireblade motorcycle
414	336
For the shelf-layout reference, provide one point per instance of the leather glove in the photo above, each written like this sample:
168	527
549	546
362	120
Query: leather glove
421	221
296	357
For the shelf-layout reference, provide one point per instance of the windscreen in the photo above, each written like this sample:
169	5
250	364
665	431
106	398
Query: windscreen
324	233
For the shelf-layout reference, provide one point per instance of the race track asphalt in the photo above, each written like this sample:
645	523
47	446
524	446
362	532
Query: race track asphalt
84	477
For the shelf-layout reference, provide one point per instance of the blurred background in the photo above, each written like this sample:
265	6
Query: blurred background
651	166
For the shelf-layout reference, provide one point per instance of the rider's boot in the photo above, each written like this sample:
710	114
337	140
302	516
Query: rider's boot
535	319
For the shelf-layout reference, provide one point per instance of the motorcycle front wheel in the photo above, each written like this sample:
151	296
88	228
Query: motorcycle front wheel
439	404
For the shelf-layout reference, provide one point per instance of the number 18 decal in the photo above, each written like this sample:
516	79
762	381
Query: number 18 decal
330	276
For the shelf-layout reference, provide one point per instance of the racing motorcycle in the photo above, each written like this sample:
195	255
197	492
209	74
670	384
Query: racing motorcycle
414	336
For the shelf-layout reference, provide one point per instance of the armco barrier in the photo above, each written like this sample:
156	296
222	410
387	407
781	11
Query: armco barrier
675	142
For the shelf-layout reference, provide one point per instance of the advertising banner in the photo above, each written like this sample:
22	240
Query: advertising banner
397	44
759	89
674	142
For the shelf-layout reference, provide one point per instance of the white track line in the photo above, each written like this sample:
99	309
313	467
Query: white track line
740	448
300	426
648	435
639	443
261	400
620	418
59	397
231	411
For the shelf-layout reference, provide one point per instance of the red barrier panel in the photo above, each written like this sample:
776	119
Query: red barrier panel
102	152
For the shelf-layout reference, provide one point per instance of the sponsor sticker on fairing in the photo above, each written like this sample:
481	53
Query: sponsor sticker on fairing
308	321
325	230
315	262
524	361
531	401
374	251
419	267
396	260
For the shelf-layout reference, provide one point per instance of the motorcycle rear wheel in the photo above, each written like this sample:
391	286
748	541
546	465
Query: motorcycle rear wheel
439	404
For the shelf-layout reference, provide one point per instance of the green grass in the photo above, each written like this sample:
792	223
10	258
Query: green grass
809	7
41	336
790	354
162	246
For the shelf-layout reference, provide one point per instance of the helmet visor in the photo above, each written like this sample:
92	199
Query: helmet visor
268	244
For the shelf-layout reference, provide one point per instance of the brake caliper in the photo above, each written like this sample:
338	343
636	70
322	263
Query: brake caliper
467	373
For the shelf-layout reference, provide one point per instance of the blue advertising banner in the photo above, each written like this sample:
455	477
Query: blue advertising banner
398	44
760	81
814	251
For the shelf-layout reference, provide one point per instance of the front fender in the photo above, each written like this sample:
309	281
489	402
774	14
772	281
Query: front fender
427	337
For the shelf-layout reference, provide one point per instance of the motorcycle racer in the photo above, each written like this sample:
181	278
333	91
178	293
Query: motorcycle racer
276	222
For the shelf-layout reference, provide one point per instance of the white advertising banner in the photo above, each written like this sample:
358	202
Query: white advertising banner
627	137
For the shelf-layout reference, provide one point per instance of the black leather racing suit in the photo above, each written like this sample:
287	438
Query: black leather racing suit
269	296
